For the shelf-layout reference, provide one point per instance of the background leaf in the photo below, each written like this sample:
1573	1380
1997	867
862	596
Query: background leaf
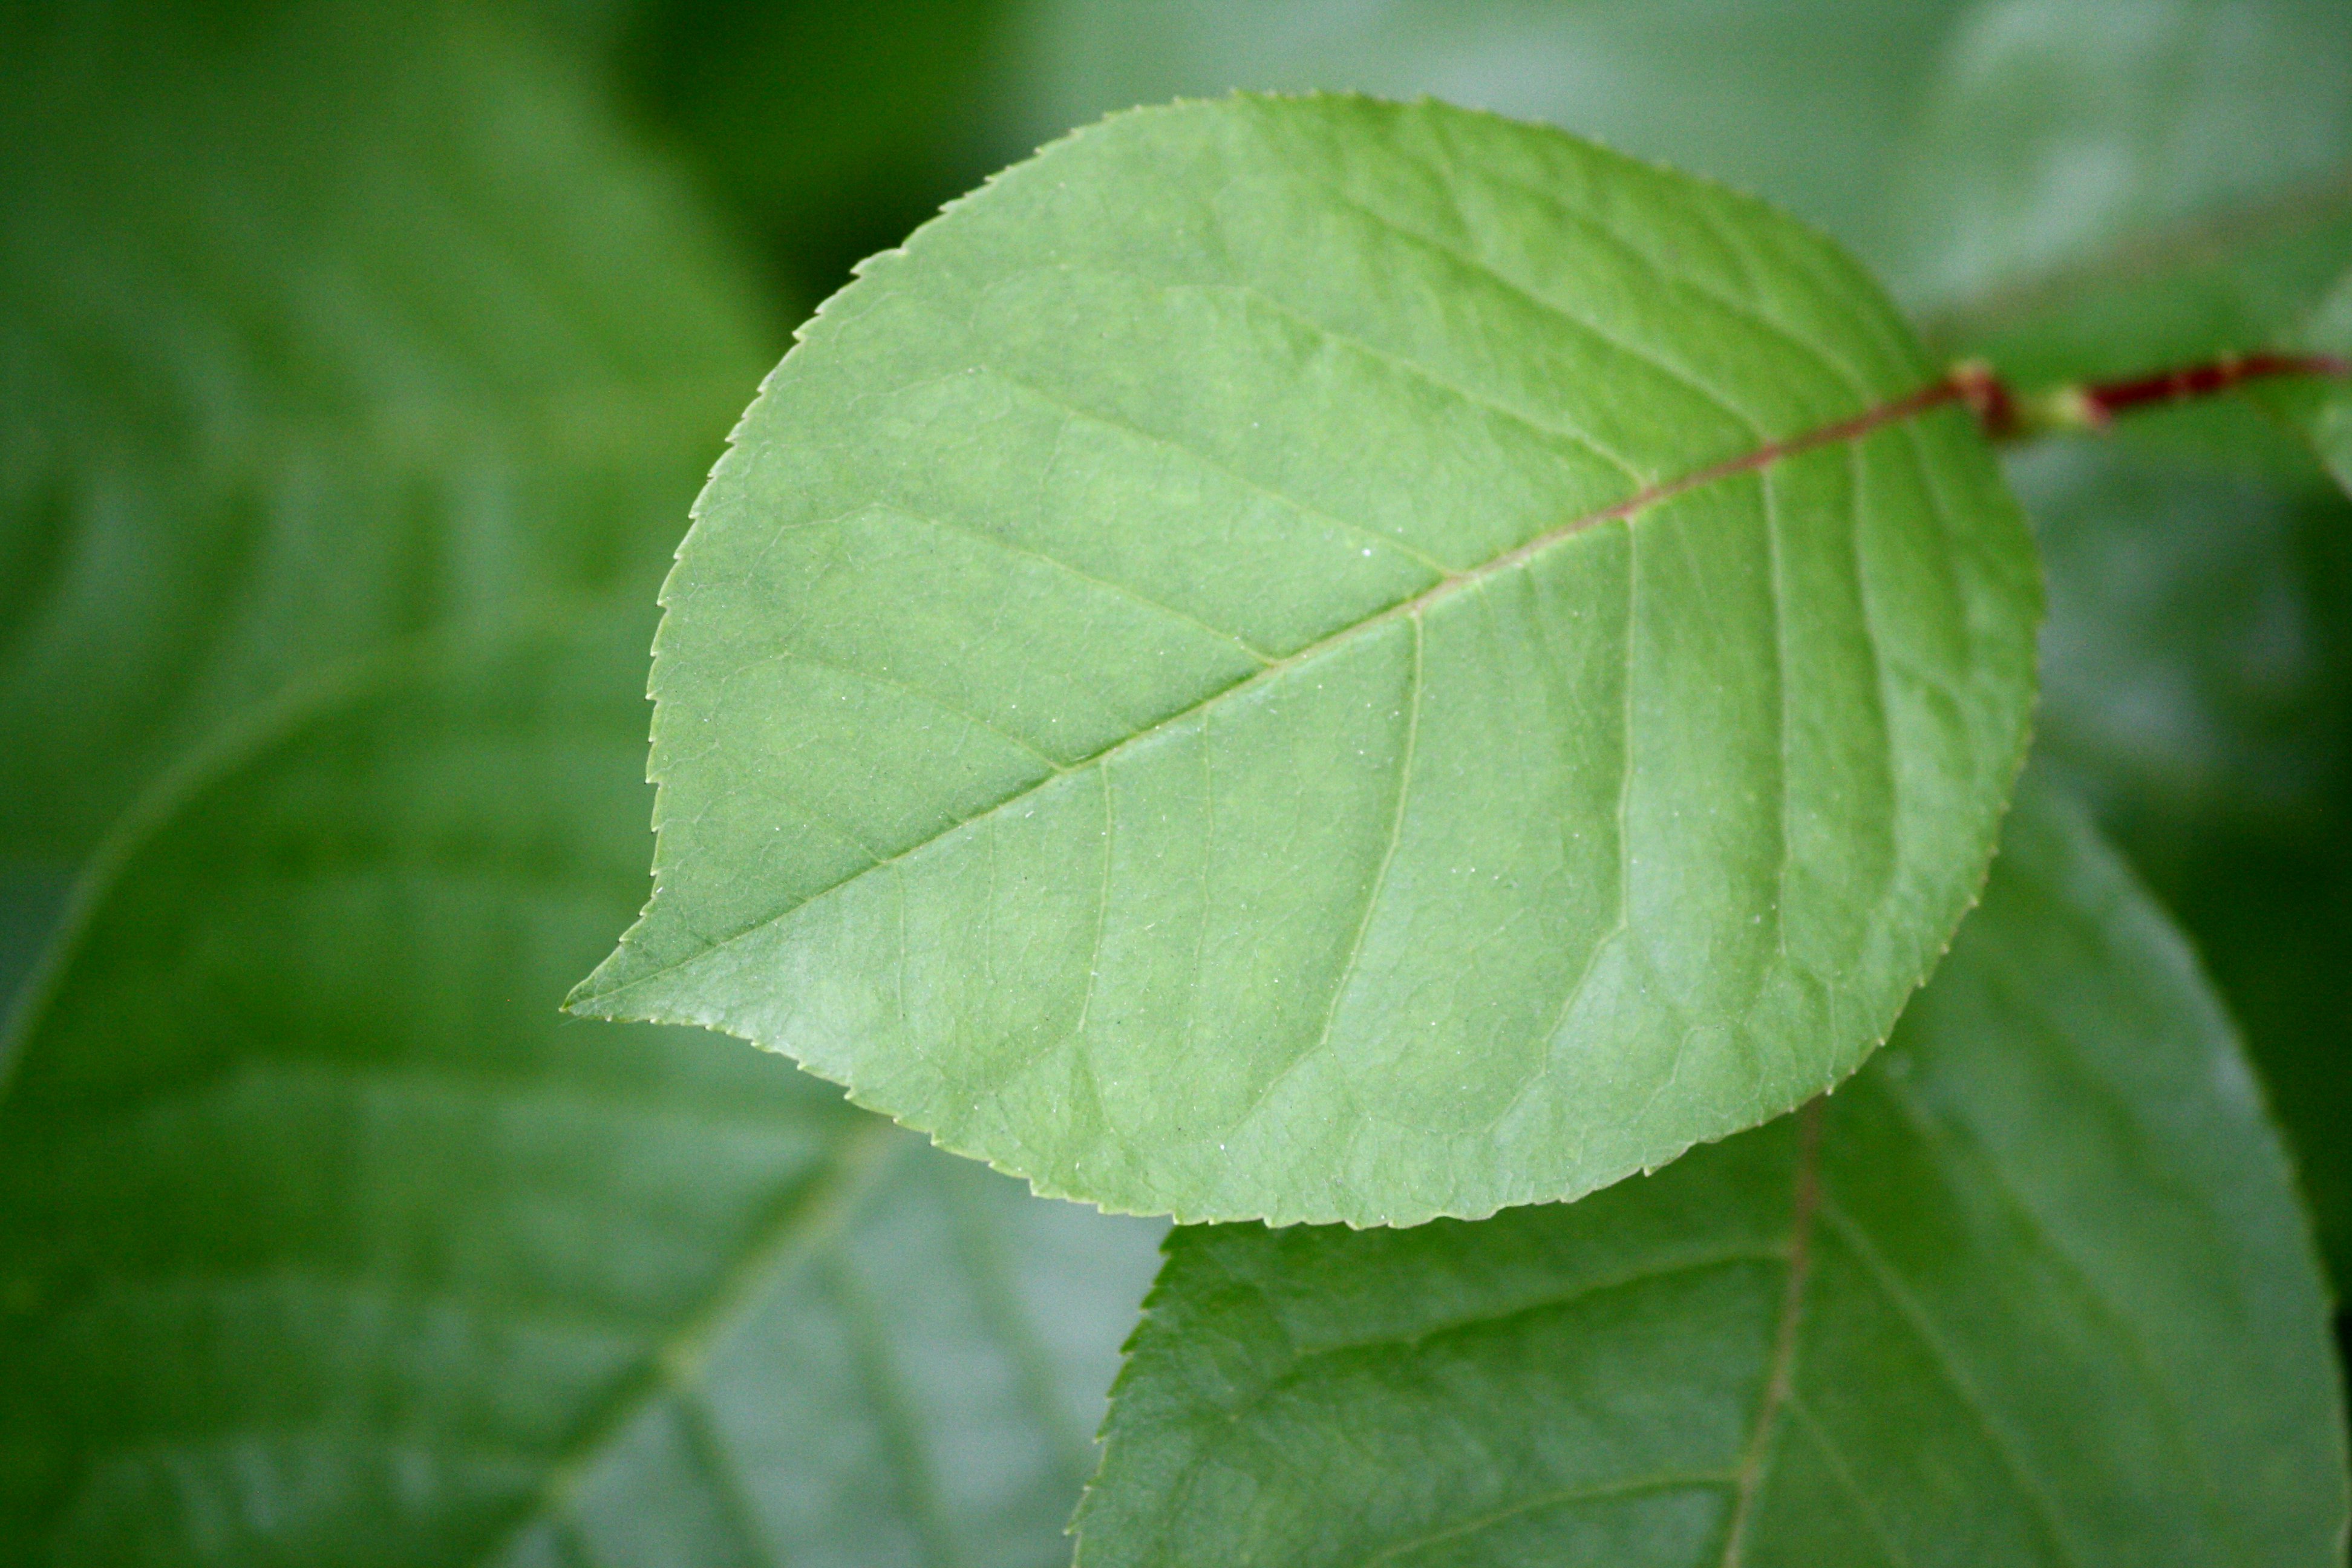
327	1241
1213	680
2104	187
324	1239
2033	1288
330	324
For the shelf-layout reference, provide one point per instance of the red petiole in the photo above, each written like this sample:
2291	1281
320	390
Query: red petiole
2006	417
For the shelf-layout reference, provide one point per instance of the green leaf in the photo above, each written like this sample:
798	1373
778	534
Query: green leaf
1312	659
2033	1288
324	1239
1806	102
2104	186
325	324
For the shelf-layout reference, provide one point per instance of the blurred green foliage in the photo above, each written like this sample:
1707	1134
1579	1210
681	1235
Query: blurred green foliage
347	350
327	325
823	132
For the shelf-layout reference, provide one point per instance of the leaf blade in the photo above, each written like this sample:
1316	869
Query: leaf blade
1291	273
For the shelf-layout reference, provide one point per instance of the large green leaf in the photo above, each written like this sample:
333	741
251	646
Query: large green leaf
319	324
324	1239
1314	659
2033	1288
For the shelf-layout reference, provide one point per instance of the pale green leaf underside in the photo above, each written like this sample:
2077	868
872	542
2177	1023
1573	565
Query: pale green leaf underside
325	1238
2052	1303
1185	687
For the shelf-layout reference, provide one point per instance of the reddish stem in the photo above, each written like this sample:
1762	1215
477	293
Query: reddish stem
2102	401
2006	417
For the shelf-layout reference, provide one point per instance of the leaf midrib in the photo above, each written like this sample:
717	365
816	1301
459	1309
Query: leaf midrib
587	1000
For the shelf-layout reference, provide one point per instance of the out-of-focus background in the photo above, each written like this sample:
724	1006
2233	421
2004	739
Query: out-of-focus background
358	364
